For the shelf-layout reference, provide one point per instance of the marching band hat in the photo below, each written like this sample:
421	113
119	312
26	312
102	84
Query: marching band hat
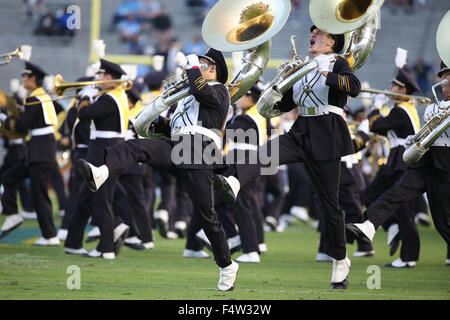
406	80
35	70
111	68
154	80
216	58
444	68
339	40
135	92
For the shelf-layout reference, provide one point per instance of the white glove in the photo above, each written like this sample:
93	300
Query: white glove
409	141
380	100
3	117
89	92
192	61
323	62
364	126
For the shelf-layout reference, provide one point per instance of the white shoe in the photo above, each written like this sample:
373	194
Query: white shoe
359	254
11	222
392	232
162	221
97	254
195	254
227	277
80	251
148	245
423	219
47	242
181	228
228	187
61	213
262	248
280	228
234	242
28	215
399	263
286	220
251	257
300	213
447	262
62	234
367	228
94	176
133	240
341	269
120	230
266	228
94	233
202	236
323	257
314	224
272	222
172	235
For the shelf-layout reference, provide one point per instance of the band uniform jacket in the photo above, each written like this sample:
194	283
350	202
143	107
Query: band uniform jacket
327	136
401	122
110	116
206	107
35	120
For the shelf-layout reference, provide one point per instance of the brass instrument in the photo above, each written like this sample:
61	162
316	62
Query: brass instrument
357	19
420	99
23	52
229	26
12	111
61	86
440	122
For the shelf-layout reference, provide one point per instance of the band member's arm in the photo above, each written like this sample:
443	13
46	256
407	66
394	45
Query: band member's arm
343	79
205	94
360	140
395	119
103	106
287	102
24	123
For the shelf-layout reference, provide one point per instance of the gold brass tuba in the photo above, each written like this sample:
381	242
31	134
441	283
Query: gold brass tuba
440	122
12	110
229	26
356	19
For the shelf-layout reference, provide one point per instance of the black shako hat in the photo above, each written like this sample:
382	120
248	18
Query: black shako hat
406	80
216	58
34	70
111	68
154	80
444	68
135	92
339	40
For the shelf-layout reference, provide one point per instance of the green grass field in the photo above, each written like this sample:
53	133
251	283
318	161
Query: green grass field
288	271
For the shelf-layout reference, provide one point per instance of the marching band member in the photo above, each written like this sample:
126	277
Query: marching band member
319	138
191	129
110	115
401	121
431	175
39	121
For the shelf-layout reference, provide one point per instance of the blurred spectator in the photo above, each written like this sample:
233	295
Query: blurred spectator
423	72
169	50
150	9
52	23
196	9
61	18
407	5
196	46
127	6
33	9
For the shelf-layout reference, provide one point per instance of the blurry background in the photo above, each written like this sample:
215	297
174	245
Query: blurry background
149	27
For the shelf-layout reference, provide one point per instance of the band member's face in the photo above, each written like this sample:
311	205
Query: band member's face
28	81
245	102
397	89
320	42
104	76
446	88
208	73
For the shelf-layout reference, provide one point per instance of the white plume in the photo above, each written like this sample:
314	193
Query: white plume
25	52
14	85
130	70
400	58
99	48
158	62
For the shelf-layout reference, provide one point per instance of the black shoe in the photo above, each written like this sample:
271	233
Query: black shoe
86	173
340	285
182	233
395	243
135	246
390	265
224	189
354	232
5	233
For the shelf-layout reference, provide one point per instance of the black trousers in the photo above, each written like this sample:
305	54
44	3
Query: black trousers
59	187
199	183
168	195
324	176
300	190
414	182
40	176
273	187
403	214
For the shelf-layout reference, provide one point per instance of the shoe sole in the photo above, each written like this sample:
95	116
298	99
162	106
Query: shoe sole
340	285
86	172
225	191
5	233
389	265
352	233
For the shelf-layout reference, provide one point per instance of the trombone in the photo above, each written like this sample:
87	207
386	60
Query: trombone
8	57
61	86
420	99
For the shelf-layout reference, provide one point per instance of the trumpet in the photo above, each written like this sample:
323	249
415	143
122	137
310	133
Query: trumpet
420	99
61	86
23	52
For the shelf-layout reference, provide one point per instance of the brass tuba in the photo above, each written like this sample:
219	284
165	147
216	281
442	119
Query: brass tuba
440	122
12	111
356	19
229	26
